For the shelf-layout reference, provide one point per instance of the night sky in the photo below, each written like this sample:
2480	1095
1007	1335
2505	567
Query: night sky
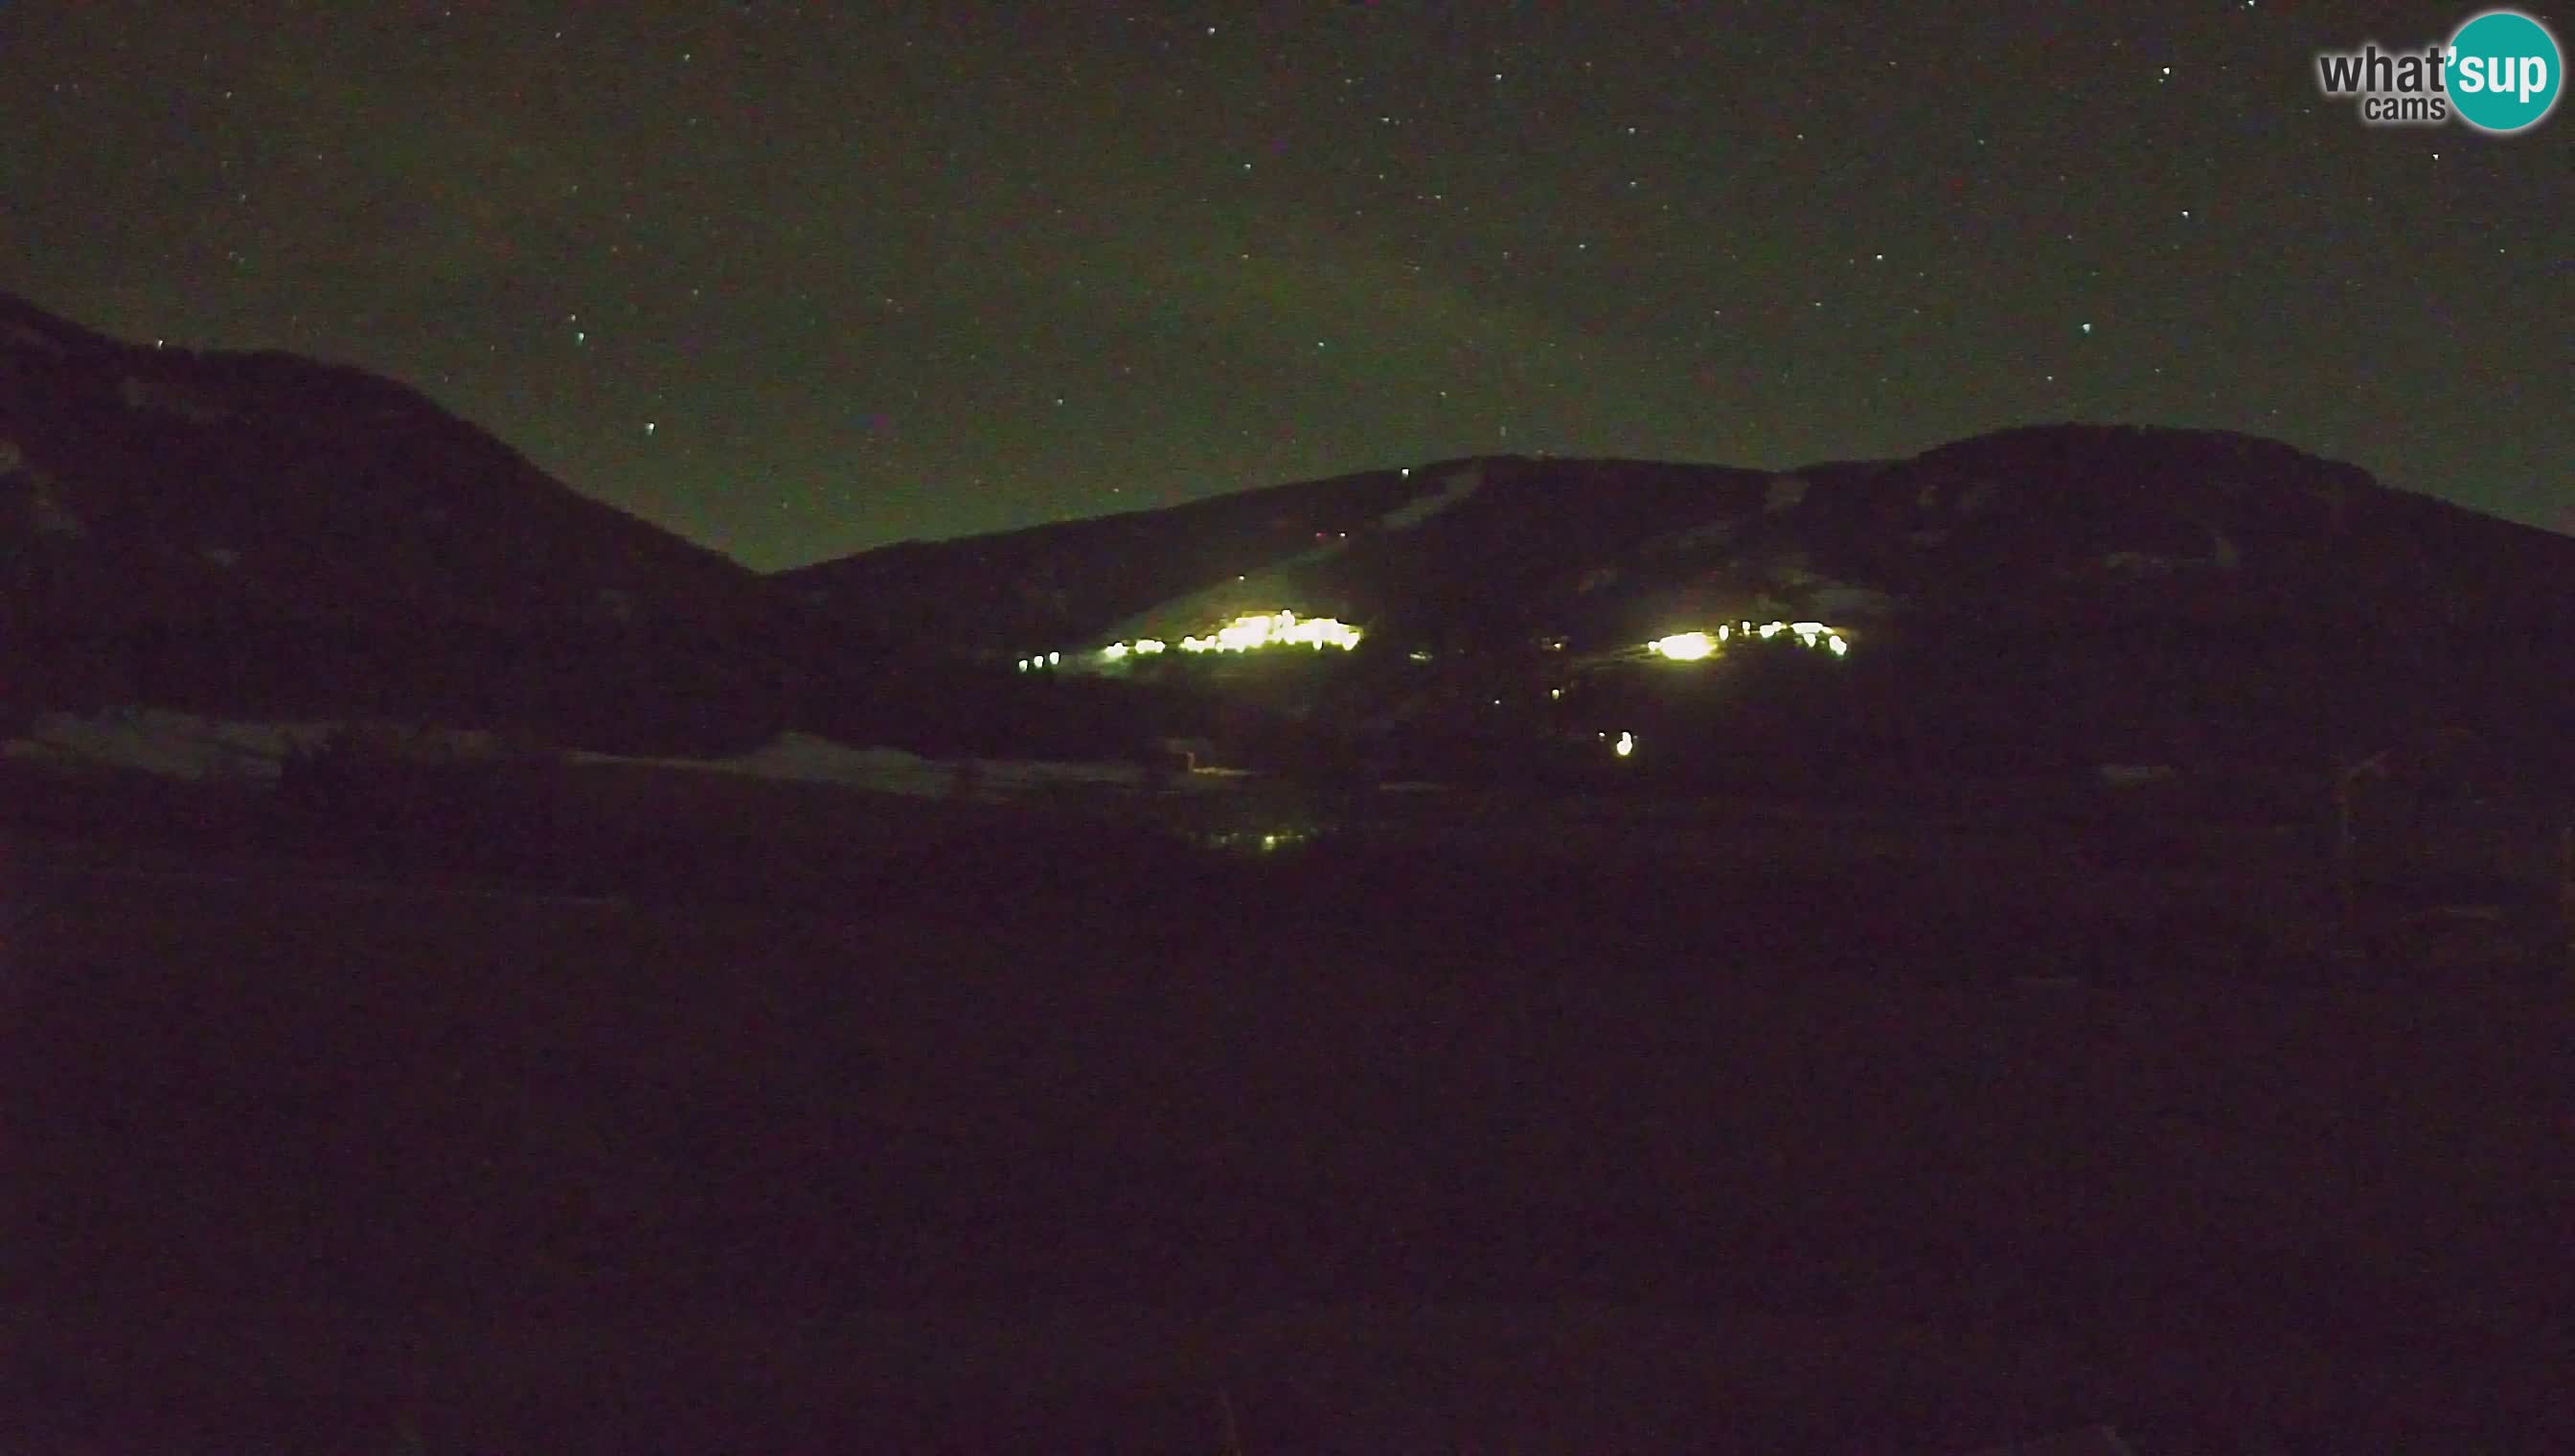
799	280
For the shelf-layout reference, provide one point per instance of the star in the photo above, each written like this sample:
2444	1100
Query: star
1200	240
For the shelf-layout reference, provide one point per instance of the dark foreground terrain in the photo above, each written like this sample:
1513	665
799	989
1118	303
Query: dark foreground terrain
996	1147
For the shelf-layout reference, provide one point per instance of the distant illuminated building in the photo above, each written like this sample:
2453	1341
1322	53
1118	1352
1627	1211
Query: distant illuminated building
1281	629
1698	647
1251	632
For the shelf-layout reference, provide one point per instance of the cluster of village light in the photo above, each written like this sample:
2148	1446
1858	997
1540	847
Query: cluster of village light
1255	630
1244	634
1698	647
1693	647
1277	629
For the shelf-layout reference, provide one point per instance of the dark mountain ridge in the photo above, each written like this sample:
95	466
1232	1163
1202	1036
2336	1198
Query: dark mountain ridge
258	533
2115	524
200	484
2081	590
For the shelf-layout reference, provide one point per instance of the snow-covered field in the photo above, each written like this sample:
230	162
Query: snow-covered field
804	758
159	740
1453	489
189	746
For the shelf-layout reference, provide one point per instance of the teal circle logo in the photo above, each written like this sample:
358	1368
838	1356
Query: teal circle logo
2504	71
